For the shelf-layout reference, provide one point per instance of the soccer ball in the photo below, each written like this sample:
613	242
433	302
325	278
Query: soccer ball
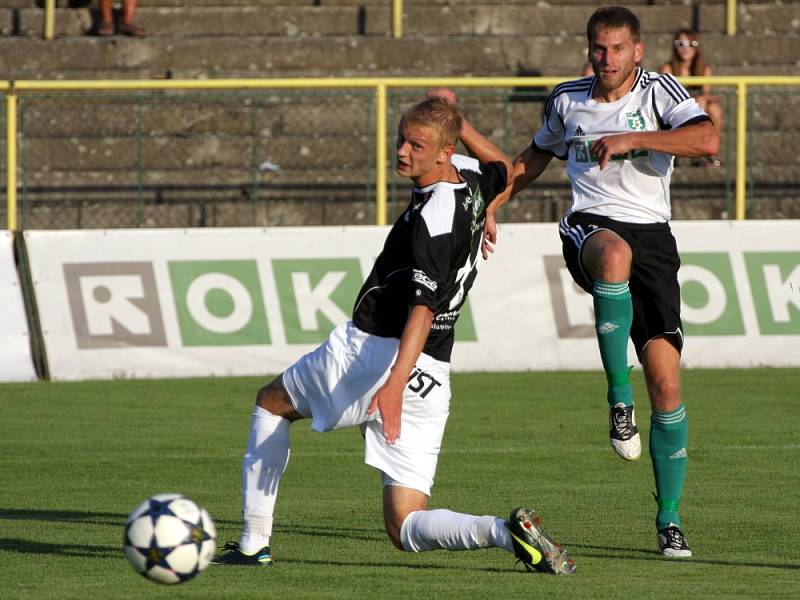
169	538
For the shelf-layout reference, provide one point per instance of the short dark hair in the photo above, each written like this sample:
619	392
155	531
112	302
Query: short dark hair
613	17
438	114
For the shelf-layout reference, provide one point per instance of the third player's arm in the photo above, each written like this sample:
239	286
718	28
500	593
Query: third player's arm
690	141
525	170
479	146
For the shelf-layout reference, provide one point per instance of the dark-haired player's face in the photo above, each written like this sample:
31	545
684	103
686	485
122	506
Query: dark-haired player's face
419	153
614	55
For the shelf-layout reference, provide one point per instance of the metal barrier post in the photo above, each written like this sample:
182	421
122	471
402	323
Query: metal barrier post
380	154
11	159
49	19
741	148
397	18
730	17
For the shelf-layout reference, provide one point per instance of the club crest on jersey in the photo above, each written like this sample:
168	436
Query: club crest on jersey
635	120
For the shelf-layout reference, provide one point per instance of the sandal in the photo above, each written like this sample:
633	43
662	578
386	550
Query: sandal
131	29
710	162
105	29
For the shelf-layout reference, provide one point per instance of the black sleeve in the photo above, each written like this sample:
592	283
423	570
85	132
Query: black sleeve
492	180
430	266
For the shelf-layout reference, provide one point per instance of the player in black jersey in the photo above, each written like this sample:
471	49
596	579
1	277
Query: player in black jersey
388	370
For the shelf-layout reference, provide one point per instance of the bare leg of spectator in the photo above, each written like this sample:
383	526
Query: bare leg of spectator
128	25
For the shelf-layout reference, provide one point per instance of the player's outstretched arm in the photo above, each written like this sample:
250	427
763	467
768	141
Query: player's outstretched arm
691	141
526	168
389	397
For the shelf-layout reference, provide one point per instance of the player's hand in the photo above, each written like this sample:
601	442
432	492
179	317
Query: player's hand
388	400
443	93
489	236
606	147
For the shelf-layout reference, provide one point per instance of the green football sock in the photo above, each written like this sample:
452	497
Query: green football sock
613	315
668	437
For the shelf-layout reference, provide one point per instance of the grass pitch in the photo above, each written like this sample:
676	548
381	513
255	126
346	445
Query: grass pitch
75	458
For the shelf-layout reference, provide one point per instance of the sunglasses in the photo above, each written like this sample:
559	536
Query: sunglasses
686	43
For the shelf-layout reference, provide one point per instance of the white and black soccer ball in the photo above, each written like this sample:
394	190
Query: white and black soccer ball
169	538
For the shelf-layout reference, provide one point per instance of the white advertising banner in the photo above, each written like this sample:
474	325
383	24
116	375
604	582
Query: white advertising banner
740	300
15	344
178	303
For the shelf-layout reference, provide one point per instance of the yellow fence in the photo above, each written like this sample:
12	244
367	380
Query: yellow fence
13	90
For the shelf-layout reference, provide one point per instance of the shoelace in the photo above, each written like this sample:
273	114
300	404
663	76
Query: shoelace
675	539
621	423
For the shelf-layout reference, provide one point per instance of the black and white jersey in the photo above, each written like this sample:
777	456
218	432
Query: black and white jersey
634	187
431	256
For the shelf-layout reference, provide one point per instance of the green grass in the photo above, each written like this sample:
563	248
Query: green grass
75	458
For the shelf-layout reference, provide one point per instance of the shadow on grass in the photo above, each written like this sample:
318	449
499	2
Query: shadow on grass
369	534
79	550
647	554
117	520
433	566
62	516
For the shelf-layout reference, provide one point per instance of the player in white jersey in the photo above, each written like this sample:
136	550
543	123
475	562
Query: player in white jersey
619	132
388	370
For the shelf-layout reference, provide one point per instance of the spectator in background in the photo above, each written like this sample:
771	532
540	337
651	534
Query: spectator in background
126	25
687	59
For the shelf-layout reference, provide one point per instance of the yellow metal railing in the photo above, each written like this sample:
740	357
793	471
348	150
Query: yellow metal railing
12	90
730	18
397	18
49	19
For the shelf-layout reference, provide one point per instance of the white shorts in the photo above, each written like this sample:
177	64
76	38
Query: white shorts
334	385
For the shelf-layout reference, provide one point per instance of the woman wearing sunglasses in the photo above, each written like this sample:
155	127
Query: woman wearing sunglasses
687	59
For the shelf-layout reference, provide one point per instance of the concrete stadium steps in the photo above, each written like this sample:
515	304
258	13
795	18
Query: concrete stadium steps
199	152
478	18
79	159
263	113
209	152
353	56
310	113
192	213
315	209
61	140
176	199
159	185
222	21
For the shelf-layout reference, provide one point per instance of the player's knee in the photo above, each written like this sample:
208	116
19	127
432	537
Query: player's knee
608	258
665	394
273	398
393	520
393	532
615	263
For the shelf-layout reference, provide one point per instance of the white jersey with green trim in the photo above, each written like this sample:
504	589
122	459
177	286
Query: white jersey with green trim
633	187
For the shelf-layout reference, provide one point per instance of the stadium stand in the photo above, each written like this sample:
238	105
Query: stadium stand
188	159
